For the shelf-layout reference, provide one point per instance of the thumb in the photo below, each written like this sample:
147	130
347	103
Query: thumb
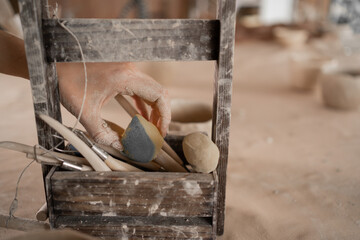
101	132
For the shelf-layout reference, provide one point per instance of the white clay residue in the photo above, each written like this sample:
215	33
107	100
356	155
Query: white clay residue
96	203
136	182
111	203
125	227
109	214
153	208
128	203
192	188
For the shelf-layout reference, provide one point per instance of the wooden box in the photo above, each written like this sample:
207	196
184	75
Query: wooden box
150	205
134	205
115	205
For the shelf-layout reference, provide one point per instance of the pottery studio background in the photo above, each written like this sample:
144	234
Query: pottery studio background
294	164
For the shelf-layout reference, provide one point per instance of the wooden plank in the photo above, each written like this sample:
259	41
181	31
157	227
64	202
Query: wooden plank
43	78
222	99
139	227
118	40
215	209
133	194
49	196
149	208
84	177
114	190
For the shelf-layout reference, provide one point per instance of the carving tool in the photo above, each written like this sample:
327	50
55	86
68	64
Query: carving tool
49	157
132	112
113	164
162	159
94	160
30	150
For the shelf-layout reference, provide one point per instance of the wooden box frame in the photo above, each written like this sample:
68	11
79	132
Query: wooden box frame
203	195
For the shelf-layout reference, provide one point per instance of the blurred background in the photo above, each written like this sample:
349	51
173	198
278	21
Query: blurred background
294	143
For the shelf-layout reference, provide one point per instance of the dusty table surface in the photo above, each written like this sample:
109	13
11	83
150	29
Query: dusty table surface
294	165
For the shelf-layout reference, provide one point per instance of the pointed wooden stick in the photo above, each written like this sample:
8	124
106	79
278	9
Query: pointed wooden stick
150	165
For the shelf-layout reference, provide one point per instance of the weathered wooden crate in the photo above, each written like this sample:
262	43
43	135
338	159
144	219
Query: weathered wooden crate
134	205
115	205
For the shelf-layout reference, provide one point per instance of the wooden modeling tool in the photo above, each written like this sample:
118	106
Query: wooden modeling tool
49	157
132	112
63	163
50	154
94	160
42	214
152	166
112	163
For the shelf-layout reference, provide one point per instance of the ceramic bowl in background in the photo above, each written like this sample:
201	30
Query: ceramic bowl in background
340	88
188	116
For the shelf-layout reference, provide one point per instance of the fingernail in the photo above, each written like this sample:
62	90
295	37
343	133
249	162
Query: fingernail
117	145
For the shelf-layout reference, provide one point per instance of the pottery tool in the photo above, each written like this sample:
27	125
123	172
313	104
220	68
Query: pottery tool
42	214
113	163
201	152
132	112
45	153
48	157
141	140
63	163
120	131
94	160
162	160
153	166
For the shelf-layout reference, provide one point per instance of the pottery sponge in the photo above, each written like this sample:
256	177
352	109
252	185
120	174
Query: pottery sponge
141	140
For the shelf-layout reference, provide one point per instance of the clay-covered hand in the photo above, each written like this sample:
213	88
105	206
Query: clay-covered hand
105	81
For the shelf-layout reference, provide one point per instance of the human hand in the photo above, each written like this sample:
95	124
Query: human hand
105	81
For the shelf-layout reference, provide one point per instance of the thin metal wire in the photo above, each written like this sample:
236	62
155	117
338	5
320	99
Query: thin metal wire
14	204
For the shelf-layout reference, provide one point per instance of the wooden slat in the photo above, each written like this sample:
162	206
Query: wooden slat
117	40
50	197
42	74
43	78
222	99
133	194
104	177
139	227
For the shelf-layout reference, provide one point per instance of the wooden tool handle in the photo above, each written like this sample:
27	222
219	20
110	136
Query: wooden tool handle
88	153
21	224
150	165
30	149
117	165
168	163
42	214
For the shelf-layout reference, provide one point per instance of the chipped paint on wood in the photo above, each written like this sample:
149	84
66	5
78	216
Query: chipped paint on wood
114	40
222	100
93	193
139	227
